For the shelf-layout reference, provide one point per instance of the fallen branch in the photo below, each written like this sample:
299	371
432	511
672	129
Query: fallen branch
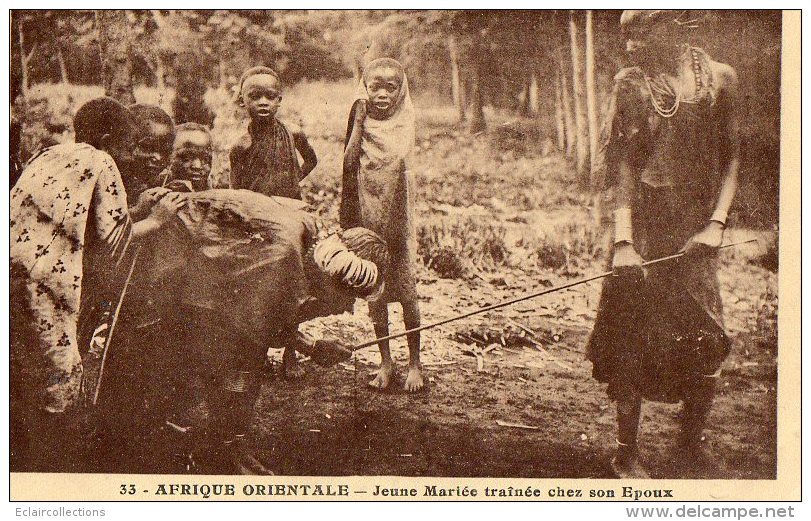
441	362
512	425
527	297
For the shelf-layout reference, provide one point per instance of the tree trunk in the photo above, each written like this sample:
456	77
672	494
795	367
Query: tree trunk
23	61
114	50
560	122
357	70
523	99
456	84
160	68
63	69
582	151
55	33
568	114
591	100
534	104
477	121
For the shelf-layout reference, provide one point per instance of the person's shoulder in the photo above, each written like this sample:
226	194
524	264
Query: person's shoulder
291	127
725	74
81	154
629	86
242	143
298	134
629	74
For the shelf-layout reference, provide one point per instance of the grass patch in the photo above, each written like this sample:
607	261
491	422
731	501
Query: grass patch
458	248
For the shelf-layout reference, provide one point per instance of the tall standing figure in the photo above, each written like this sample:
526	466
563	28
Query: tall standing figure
70	236
378	193
672	151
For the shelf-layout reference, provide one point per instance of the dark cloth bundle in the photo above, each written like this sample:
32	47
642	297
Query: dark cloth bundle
662	334
236	255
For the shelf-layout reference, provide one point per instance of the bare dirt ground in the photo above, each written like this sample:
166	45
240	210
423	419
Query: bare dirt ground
498	215
332	423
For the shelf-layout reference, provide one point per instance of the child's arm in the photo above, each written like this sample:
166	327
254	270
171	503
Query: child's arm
350	202
236	164
307	153
352	150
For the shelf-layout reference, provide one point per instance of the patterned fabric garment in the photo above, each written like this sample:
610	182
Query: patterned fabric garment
69	203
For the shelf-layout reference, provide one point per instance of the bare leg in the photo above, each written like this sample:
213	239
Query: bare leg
291	370
626	462
290	367
694	452
380	317
411	318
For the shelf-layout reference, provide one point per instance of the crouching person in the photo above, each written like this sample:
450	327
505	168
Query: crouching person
262	266
338	269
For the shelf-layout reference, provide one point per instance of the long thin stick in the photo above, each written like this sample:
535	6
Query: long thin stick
112	328
527	297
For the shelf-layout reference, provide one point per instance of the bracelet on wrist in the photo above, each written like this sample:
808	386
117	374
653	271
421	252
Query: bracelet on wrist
719	216
623	231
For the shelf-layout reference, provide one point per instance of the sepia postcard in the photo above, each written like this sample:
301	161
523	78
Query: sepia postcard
412	255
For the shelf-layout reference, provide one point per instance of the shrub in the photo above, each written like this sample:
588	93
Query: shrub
569	246
453	248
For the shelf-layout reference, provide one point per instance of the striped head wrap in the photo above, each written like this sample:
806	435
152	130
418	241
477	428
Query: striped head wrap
355	257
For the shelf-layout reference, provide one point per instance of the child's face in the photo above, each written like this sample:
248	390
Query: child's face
383	85
261	95
191	158
152	152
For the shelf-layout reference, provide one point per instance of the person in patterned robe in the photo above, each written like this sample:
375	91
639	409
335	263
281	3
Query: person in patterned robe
70	234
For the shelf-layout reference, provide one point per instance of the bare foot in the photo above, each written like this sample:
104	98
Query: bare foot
383	378
414	381
628	468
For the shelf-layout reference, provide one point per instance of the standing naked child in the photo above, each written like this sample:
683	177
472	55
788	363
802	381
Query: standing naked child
673	153
264	160
378	193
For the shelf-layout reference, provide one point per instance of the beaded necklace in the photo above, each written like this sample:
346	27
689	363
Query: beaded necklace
661	90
